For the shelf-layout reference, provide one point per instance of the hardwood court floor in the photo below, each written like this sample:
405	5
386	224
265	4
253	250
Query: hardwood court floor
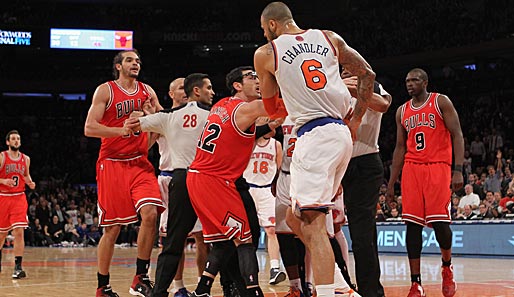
72	272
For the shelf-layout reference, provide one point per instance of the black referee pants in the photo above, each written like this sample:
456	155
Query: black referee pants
361	184
181	220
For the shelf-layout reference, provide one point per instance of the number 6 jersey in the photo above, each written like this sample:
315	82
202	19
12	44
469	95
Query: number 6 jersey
428	139
307	71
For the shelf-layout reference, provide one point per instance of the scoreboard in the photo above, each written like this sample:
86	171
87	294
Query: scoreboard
91	39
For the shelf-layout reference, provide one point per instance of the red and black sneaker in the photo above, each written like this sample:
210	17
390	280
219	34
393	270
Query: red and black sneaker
449	286
141	286
106	291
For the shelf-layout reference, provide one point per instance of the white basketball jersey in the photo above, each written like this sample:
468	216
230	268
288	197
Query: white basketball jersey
263	164
289	143
181	127
307	72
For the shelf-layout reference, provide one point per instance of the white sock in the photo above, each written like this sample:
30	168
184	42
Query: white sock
339	281
274	263
178	284
325	290
296	283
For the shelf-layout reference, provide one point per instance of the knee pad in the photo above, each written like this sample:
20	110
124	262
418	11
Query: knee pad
248	265
443	234
413	240
217	256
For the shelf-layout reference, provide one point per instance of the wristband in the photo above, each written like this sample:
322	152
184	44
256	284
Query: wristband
458	168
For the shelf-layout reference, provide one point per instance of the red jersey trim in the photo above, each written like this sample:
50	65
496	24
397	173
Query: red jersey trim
233	119
125	91
412	107
437	107
11	194
111	96
329	42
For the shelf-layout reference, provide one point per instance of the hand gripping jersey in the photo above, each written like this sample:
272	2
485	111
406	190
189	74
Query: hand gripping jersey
118	109
307	71
428	139
223	150
262	167
13	169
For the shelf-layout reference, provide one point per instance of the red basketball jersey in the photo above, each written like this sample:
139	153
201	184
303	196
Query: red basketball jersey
118	109
14	169
224	150
428	139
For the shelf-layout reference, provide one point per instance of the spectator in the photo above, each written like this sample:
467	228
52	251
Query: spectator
32	209
493	181
478	152
73	213
467	214
484	212
507	203
59	213
43	212
455	206
470	199
36	237
70	232
54	232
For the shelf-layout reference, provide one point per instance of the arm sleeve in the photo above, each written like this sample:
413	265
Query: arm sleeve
154	122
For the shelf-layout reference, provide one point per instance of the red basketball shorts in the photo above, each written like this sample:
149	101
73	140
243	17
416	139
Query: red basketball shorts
219	207
124	187
426	193
13	211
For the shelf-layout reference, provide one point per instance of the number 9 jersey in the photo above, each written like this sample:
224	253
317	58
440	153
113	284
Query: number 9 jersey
307	71
428	139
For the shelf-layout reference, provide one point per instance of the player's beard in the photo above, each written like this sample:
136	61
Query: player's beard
14	148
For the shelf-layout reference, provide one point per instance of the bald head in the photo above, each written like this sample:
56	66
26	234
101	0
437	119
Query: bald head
277	11
177	93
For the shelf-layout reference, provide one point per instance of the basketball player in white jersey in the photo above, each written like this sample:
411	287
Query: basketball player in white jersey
181	127
304	64
262	168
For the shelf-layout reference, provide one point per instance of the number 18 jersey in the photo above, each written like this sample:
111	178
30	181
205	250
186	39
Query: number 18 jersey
428	139
307	71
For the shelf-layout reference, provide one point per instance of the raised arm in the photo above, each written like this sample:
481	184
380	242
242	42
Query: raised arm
264	63
398	155
451	120
92	127
351	60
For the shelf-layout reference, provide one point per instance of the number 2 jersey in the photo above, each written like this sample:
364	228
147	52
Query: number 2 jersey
15	169
428	139
117	110
307	71
223	149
